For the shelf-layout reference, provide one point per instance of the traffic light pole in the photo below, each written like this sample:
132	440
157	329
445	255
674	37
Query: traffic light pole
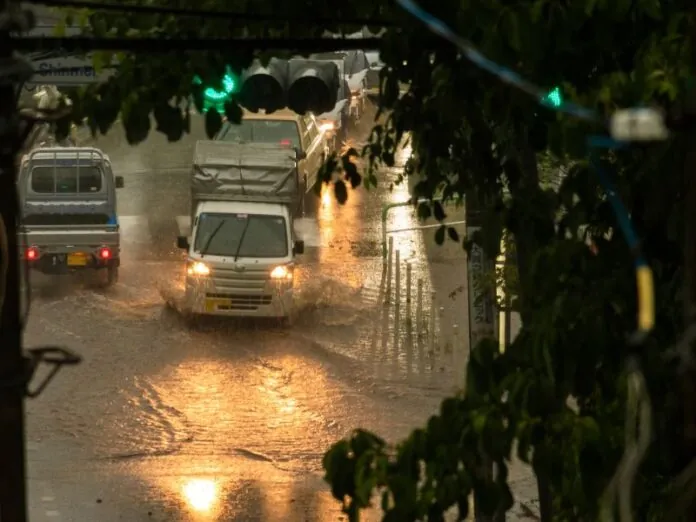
13	503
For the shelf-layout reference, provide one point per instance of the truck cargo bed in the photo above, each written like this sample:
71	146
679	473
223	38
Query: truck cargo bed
68	239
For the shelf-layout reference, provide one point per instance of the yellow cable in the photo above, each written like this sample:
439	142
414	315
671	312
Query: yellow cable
646	299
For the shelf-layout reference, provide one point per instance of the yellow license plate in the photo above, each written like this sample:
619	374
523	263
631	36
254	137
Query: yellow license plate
213	304
77	259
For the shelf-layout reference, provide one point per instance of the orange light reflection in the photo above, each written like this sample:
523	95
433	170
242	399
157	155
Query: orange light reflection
201	494
264	408
340	227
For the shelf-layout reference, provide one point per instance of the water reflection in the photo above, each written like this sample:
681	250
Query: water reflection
326	196
201	494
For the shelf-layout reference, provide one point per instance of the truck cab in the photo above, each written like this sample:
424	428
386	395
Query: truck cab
242	248
287	129
68	207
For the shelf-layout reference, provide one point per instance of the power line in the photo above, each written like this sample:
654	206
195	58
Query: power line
201	13
165	45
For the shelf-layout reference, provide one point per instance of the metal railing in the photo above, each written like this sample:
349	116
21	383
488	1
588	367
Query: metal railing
385	214
415	300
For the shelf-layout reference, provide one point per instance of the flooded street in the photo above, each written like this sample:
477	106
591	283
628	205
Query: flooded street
228	421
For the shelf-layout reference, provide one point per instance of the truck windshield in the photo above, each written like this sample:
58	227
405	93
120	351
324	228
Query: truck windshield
66	179
266	236
262	131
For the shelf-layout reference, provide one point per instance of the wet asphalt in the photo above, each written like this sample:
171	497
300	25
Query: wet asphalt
226	422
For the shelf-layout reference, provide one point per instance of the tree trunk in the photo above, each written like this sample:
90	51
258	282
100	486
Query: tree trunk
530	234
13	507
12	367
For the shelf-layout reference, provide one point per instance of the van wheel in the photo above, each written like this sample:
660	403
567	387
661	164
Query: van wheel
111	275
193	321
285	322
107	276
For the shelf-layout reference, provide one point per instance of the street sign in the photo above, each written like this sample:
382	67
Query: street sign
59	68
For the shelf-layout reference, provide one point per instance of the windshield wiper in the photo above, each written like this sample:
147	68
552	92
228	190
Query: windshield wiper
241	239
211	237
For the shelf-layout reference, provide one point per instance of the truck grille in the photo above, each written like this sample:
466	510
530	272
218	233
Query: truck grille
250	280
248	289
241	301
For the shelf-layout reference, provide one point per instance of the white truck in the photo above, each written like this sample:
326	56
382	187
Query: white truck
241	248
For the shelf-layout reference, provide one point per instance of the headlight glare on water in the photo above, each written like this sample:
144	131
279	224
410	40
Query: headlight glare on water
198	269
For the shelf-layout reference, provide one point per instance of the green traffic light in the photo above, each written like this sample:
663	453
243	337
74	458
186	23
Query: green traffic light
213	97
553	98
228	84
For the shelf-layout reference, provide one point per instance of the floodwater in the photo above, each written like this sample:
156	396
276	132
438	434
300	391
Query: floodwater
230	420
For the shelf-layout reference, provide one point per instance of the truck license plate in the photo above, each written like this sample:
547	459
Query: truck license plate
77	259
213	304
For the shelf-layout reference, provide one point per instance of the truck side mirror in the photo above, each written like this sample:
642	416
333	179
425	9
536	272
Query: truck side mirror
182	242
118	180
300	154
299	247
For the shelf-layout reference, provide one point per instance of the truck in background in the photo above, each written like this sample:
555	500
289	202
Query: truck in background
68	208
241	248
294	132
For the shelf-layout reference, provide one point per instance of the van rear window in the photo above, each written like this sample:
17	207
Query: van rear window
66	179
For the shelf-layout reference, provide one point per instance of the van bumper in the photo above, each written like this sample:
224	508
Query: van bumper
276	303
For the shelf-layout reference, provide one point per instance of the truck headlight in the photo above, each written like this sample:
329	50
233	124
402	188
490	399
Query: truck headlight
198	268
281	272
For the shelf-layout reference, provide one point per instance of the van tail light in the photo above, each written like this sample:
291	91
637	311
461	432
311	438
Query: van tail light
285	143
31	254
105	253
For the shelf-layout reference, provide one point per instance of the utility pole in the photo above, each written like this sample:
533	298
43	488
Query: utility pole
13	503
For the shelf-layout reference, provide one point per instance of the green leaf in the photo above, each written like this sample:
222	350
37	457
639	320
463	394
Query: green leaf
62	127
365	479
386	501
326	172
101	60
453	234
350	169
339	469
352	175
99	26
213	123
424	211
341	192
512	30
439	211
169	121
233	112
440	235
60	28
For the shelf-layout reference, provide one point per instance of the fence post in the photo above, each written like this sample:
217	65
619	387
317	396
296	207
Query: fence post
433	321
408	294
419	307
390	259
397	279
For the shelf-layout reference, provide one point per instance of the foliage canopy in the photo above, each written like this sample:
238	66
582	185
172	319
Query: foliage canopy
473	135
